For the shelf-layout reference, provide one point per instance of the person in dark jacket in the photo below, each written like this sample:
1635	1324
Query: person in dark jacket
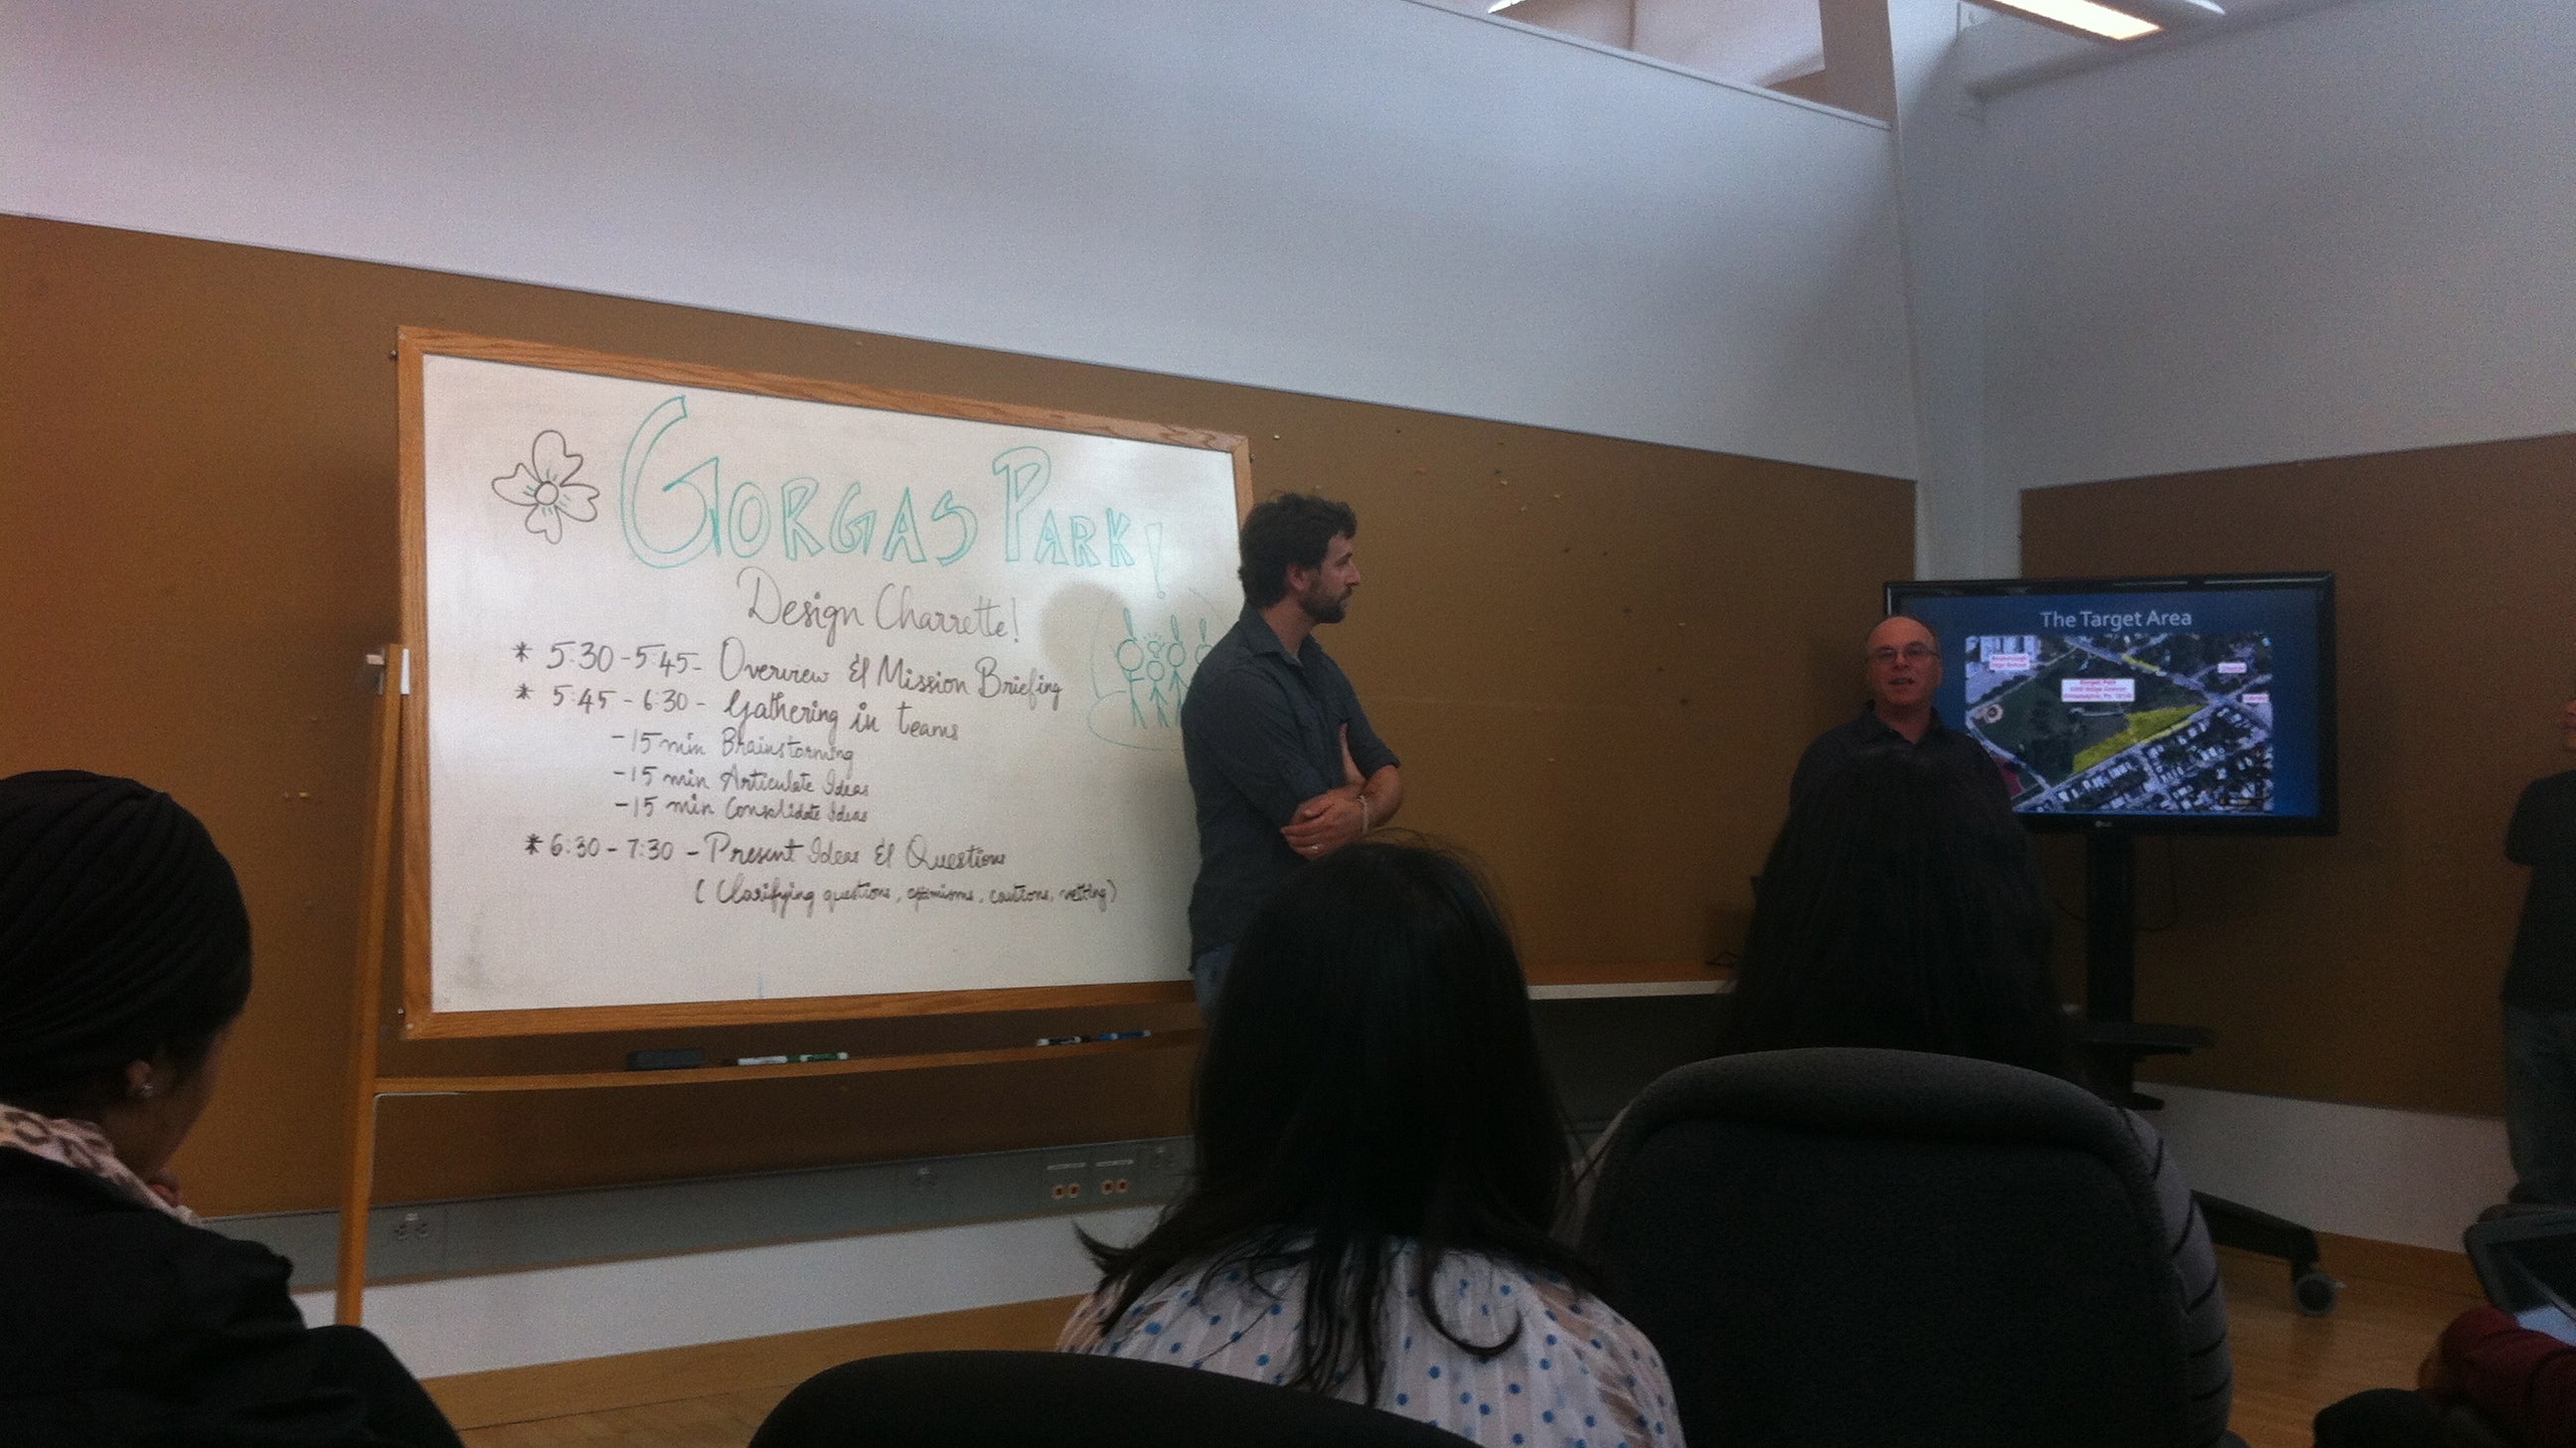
124	959
2540	989
1901	664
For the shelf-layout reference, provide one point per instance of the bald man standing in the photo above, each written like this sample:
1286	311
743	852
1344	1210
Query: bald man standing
1901	661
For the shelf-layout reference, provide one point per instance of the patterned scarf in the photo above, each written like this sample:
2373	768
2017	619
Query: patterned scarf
84	1148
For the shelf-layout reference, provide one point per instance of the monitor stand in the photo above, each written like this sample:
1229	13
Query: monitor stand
2115	1041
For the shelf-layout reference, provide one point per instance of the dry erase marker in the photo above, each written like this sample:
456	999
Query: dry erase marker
1122	1035
821	1056
760	1060
1059	1040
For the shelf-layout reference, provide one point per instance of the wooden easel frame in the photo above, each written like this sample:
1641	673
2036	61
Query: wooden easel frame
397	855
366	1009
369	1086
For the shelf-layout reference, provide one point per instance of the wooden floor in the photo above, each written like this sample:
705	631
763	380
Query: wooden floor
725	1421
2287	1366
2395	1301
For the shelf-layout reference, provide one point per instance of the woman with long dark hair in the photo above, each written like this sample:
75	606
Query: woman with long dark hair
1899	910
124	960
1380	1158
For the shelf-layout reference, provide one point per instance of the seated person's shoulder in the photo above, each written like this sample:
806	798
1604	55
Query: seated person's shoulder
1572	1305
97	1290
1575	1354
1570	1323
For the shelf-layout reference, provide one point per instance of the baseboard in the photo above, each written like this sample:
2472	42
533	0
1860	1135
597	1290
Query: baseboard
639	1379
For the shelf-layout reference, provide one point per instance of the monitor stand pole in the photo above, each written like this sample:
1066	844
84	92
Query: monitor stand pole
2114	1040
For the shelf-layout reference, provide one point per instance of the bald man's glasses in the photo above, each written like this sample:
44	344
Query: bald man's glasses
1911	653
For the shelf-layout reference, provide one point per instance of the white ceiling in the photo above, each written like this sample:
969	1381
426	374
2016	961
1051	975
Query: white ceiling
1755	42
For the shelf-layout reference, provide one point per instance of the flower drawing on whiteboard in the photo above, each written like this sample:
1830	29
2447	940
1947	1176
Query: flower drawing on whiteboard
543	485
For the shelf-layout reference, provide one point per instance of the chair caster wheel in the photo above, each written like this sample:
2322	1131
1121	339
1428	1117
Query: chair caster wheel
2316	1292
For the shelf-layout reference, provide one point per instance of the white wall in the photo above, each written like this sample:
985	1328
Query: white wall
2363	1171
2352	231
1361	198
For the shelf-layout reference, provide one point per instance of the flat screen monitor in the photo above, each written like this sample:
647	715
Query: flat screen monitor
2202	704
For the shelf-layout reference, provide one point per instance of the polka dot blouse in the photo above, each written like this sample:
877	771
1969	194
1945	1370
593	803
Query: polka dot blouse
1578	1377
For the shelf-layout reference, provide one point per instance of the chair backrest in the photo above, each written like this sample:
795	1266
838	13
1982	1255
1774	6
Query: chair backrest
1065	1400
1845	1246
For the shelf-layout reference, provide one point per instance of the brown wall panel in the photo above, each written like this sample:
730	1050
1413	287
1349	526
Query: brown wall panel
2364	967
1598	658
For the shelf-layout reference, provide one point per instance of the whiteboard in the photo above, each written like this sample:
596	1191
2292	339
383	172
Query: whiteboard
742	697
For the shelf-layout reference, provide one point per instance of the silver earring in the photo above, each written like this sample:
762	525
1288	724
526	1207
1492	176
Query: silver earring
143	1092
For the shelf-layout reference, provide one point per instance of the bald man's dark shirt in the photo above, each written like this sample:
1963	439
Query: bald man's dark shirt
1954	754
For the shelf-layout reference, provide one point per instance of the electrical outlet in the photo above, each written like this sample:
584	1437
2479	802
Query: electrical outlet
1067	1183
406	1241
1163	1170
922	1192
1113	1176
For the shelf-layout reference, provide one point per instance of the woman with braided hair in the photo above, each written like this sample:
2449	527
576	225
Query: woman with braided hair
124	959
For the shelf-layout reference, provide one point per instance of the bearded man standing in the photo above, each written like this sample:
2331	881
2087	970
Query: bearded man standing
1283	764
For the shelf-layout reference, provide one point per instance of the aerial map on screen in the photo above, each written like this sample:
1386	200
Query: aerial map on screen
2126	722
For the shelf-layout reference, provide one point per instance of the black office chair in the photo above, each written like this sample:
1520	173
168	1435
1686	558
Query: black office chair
1066	1400
1888	1248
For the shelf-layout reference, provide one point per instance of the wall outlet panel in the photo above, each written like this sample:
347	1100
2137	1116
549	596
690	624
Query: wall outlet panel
477	1235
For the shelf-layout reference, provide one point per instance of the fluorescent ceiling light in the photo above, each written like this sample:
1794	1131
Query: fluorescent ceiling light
2086	16
1499	6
